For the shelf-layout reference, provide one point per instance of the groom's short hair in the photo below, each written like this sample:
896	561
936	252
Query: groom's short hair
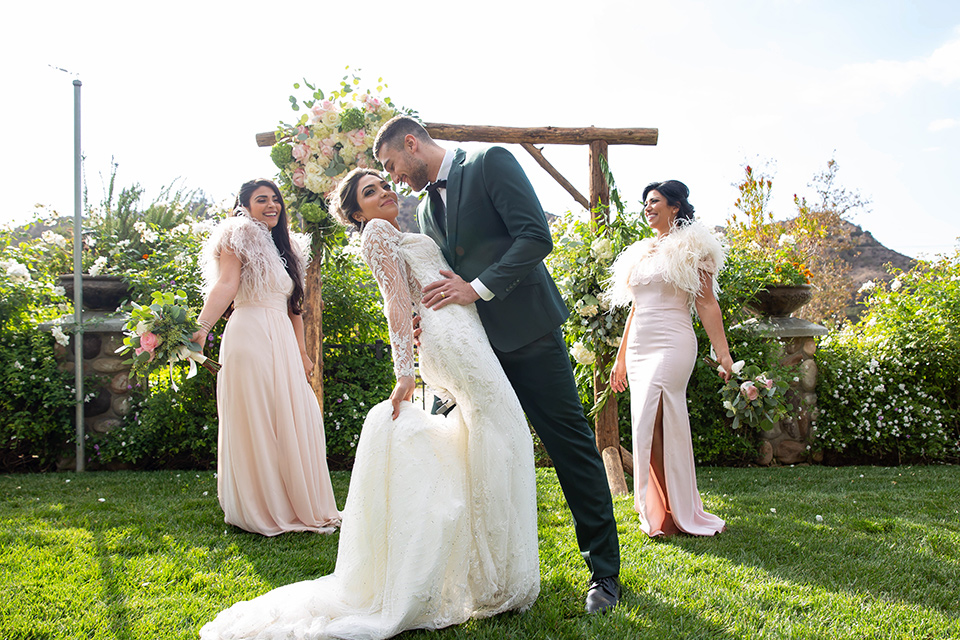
395	130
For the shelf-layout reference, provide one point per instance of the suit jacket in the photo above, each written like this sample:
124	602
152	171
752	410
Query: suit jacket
496	230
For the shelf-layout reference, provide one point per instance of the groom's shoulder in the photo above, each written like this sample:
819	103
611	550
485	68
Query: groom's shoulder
492	156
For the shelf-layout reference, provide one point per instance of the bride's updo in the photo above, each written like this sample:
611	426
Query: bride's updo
343	203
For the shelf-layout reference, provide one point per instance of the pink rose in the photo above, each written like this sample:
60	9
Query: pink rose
356	137
326	147
298	176
749	390
768	384
140	350
373	104
301	152
149	342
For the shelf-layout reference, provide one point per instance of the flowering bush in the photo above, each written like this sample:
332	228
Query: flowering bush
335	135
754	398
36	406
889	385
580	262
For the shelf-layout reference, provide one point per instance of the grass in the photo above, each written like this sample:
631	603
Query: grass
129	555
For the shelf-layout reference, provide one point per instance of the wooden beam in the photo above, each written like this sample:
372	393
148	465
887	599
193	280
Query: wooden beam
519	135
543	162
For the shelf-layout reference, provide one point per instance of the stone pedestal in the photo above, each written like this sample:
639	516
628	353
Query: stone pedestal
789	441
109	399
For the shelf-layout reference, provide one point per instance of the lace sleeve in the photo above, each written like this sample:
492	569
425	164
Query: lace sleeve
380	245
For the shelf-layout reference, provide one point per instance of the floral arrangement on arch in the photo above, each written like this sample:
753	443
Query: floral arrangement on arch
580	262
333	136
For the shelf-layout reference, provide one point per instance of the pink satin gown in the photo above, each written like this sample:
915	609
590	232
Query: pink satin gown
661	351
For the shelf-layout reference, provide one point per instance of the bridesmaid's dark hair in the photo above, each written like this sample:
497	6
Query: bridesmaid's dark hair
344	202
676	194
281	238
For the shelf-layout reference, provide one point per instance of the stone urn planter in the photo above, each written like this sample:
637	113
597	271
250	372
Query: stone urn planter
779	301
100	293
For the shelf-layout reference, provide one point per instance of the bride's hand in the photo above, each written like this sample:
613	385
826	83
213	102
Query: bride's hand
402	391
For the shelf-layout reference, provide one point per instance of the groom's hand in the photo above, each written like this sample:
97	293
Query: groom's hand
451	289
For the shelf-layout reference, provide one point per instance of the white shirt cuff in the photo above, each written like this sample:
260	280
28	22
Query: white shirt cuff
482	291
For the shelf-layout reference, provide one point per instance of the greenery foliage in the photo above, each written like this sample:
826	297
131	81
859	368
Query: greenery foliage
357	367
889	385
36	406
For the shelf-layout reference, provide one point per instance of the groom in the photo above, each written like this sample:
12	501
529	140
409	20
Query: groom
483	213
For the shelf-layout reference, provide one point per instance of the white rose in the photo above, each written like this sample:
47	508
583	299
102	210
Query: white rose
602	249
582	355
18	272
588	310
58	335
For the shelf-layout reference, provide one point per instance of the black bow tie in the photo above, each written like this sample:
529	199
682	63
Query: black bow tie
439	184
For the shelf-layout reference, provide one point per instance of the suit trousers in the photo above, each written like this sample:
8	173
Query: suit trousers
543	379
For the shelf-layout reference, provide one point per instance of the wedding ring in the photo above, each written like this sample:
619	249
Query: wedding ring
443	295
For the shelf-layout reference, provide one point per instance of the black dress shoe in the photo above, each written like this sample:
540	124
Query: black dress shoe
603	594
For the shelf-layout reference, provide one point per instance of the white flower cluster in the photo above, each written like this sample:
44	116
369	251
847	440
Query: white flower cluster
16	272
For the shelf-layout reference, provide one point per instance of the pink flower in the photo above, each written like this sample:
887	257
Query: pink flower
149	342
749	390
326	147
298	176
356	137
301	152
768	384
140	350
362	162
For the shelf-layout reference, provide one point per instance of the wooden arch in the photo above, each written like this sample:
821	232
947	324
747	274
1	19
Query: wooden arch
616	458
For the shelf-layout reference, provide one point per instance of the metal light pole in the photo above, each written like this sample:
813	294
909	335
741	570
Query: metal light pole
77	277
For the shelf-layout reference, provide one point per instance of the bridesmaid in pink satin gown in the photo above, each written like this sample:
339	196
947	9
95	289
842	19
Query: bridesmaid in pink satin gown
665	278
272	474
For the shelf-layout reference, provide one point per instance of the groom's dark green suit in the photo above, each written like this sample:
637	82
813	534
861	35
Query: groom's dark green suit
497	232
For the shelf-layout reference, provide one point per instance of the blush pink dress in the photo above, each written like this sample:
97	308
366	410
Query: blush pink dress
661	352
272	474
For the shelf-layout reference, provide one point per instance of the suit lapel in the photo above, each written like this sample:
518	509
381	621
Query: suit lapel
454	182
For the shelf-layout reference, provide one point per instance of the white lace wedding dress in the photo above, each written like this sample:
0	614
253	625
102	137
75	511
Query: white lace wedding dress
440	523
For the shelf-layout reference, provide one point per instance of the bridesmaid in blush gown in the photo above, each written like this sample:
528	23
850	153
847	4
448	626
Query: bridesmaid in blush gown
665	278
440	524
272	472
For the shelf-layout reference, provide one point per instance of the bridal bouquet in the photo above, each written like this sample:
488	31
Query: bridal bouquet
159	334
753	398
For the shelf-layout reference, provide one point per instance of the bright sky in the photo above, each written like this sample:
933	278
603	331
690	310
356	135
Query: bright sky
177	90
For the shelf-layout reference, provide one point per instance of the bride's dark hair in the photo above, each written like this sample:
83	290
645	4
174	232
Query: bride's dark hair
344	202
281	238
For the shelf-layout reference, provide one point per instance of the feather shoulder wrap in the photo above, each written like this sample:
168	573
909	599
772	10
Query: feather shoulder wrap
263	270
679	258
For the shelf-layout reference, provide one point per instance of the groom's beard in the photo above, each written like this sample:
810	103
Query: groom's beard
417	176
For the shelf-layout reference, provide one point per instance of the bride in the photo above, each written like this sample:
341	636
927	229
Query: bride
440	523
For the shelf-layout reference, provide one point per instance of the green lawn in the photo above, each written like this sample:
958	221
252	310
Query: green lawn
146	555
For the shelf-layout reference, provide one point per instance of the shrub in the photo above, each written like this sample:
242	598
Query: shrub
889	385
37	403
